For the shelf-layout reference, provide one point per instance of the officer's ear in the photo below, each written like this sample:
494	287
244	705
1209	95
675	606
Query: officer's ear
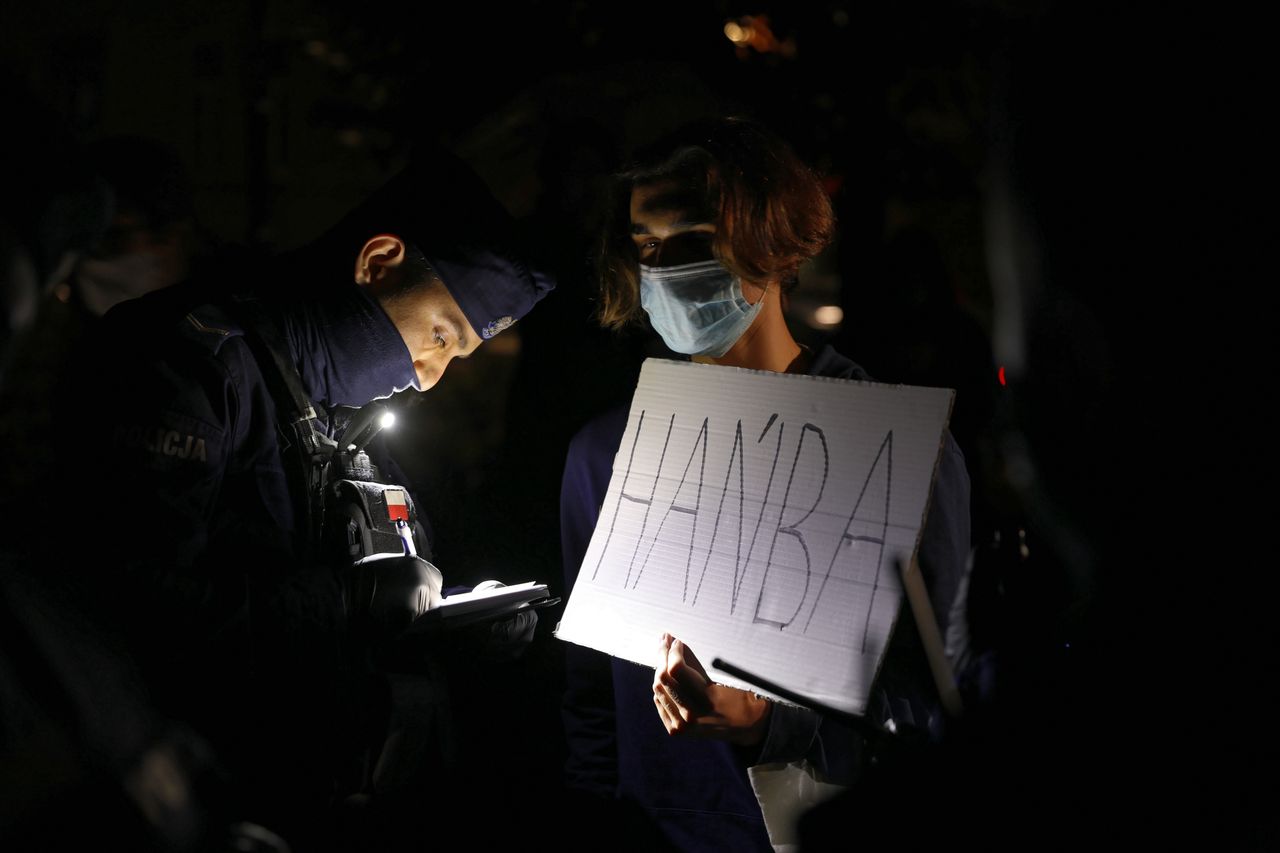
378	255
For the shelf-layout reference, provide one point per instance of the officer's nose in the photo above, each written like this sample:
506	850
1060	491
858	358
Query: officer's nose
429	374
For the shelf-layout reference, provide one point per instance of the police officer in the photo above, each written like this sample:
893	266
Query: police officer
212	398
84	754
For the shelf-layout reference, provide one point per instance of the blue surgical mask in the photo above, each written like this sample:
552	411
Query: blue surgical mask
698	309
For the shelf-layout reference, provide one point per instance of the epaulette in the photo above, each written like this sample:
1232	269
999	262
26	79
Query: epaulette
209	326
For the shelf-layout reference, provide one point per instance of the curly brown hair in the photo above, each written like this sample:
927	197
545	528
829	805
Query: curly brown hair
770	210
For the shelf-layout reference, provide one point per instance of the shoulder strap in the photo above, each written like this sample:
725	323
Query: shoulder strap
305	448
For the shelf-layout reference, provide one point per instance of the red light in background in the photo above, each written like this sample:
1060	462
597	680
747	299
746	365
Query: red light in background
1000	375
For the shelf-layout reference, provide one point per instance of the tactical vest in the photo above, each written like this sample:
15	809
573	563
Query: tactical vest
345	509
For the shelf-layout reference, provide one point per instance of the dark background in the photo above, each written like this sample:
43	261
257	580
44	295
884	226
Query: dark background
286	113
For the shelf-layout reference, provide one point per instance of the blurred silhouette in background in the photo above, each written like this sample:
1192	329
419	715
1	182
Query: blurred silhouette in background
149	239
55	207
154	235
84	754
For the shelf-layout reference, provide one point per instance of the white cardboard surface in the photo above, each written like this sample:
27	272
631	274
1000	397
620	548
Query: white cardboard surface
756	516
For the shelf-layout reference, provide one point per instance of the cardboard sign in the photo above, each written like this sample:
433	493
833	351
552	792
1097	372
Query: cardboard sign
757	516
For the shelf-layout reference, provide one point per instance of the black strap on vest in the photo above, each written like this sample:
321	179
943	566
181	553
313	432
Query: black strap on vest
304	447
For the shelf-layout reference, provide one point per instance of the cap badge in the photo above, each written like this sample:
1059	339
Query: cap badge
497	326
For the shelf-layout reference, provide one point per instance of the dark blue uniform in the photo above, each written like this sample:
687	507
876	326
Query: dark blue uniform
194	535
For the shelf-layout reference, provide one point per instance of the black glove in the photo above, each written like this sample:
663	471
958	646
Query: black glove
387	592
502	639
509	637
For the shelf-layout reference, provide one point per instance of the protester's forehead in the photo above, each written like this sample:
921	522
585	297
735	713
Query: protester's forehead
671	197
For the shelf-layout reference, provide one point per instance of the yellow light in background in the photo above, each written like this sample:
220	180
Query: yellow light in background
737	33
828	315
755	32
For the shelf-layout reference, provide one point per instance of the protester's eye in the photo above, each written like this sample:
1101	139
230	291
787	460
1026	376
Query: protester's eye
648	248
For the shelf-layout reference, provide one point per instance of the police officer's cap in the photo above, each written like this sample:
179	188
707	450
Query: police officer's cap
440	206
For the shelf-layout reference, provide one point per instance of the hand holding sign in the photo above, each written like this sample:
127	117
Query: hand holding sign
690	703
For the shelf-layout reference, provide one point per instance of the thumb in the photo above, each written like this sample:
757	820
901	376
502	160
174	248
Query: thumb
684	661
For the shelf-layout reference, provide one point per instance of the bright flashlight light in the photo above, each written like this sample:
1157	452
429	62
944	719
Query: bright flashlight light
387	420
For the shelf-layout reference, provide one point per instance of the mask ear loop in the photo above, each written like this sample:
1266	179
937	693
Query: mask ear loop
764	291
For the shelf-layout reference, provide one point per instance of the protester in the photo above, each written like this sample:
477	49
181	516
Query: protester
710	228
